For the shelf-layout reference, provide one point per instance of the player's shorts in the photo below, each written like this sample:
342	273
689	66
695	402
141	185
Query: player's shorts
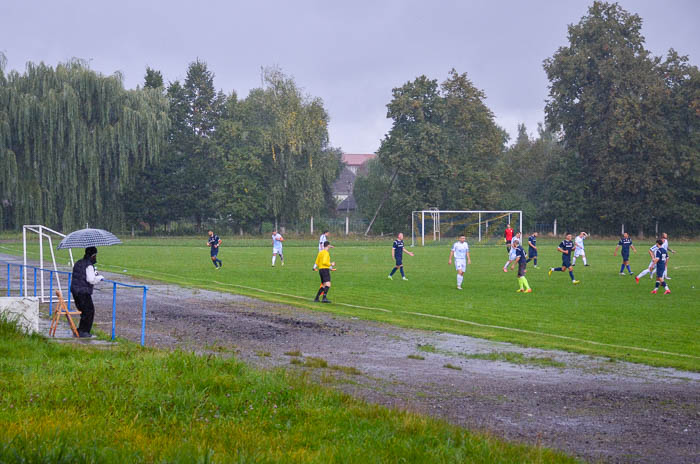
625	256
214	251
460	265
277	251
512	255
399	260
522	265
531	253
579	252
508	242
565	261
660	268
325	275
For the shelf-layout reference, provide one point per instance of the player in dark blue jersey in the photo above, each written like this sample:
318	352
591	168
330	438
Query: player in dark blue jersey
661	261
397	250
214	242
626	243
566	248
532	248
521	259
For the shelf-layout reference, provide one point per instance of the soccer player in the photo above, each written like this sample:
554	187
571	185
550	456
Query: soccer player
579	251
511	256
652	265
277	240
397	250
321	240
661	261
566	248
214	242
664	237
324	265
626	243
532	248
508	234
521	259
460	251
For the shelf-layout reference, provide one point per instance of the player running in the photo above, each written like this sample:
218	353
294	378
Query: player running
511	256
664	237
579	251
397	250
460	251
652	264
521	259
661	261
325	266
566	248
532	248
277	240
626	243
214	242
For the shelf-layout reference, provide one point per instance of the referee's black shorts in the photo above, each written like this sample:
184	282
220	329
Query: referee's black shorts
325	275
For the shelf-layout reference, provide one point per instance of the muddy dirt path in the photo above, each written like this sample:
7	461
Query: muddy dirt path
590	407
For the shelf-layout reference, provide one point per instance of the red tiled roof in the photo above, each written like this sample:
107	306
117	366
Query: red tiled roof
356	159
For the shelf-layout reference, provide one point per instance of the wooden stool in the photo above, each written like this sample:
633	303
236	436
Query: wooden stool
63	309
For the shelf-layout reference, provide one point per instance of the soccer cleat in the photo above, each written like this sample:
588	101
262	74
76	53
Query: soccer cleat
622	273
529	290
586	265
325	300
535	266
550	272
390	278
316	300
636	279
653	291
218	267
404	278
631	273
459	287
519	290
667	278
505	270
667	292
282	263
575	282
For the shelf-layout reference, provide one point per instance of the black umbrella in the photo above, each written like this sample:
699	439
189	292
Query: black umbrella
84	238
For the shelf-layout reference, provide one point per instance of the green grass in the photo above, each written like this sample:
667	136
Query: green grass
78	404
607	314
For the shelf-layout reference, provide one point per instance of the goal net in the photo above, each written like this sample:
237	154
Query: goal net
486	227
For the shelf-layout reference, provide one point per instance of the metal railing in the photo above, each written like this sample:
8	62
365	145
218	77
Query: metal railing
54	273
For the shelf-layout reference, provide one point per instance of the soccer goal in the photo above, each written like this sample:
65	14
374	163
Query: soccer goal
430	225
44	234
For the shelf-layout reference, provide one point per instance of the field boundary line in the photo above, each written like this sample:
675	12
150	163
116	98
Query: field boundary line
563	337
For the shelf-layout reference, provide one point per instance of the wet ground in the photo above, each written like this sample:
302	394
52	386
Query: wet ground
593	408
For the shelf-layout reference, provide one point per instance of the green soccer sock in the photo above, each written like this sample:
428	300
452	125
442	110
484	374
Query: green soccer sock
520	282
524	281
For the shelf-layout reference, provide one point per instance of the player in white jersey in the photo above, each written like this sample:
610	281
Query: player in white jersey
579	250
321	240
664	237
512	254
460	252
277	240
652	264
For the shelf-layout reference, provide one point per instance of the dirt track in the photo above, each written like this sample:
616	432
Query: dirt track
588	407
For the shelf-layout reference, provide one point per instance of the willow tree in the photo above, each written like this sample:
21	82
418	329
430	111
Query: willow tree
72	140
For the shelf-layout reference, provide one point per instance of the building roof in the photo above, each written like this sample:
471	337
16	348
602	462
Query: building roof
357	159
344	183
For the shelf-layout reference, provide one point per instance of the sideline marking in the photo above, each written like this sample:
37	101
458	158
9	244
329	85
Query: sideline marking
565	337
477	324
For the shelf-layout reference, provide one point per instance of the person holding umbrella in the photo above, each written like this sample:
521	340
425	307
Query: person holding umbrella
84	279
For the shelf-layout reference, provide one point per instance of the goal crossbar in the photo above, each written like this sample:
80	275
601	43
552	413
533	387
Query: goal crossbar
434	215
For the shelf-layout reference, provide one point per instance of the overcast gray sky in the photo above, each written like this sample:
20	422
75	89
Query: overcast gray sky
350	54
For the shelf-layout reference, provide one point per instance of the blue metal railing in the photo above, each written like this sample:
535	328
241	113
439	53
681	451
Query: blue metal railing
68	300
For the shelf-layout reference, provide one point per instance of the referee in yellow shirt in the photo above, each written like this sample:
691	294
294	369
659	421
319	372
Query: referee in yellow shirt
324	265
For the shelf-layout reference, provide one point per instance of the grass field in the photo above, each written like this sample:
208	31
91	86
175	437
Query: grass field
124	404
607	314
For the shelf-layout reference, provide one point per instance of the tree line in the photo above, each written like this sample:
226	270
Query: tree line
620	144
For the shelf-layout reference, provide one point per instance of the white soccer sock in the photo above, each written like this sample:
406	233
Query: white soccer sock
460	278
505	266
274	258
643	273
573	263
584	261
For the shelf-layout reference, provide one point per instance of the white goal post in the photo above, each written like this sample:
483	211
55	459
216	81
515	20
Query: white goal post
473	223
43	232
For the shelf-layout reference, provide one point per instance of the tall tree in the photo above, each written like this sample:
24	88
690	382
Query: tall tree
74	140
